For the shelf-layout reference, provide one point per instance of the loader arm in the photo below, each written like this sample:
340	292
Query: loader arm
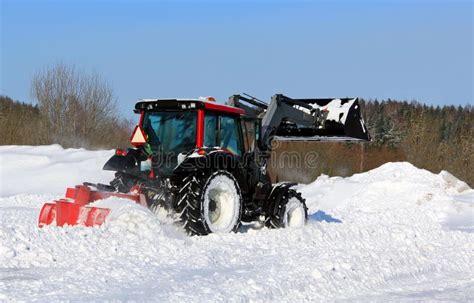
254	111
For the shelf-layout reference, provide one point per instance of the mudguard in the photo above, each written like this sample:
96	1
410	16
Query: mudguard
205	159
127	163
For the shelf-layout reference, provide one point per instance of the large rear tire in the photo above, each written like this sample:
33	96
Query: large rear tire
210	203
289	212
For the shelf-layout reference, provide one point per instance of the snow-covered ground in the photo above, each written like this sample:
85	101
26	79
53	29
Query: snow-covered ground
394	233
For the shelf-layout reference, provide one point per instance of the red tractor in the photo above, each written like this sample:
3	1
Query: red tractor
205	163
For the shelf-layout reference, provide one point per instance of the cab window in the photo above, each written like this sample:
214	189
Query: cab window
172	132
210	130
229	135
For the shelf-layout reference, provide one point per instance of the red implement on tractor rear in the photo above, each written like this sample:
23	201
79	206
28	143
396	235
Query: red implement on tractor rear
74	209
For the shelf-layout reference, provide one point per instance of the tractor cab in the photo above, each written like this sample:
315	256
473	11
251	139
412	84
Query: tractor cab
169	129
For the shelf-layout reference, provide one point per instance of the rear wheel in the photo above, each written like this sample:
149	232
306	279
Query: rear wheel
210	203
290	211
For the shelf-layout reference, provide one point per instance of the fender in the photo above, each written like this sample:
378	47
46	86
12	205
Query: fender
209	158
127	163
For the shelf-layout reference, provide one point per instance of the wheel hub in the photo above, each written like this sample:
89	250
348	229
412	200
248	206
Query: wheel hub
214	210
294	214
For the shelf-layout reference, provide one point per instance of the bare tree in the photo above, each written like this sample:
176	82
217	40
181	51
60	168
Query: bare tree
77	106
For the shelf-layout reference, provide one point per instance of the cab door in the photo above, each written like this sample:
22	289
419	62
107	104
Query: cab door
223	131
230	135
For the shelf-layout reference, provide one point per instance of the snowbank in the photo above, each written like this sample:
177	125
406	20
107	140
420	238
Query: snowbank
395	190
394	233
49	169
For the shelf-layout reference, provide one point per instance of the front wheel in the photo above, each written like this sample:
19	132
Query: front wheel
210	203
290	211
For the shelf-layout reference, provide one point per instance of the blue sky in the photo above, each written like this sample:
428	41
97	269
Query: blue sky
407	50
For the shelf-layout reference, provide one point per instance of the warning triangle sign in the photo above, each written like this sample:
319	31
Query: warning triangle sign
138	136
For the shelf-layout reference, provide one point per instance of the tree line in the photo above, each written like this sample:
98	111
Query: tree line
431	137
74	109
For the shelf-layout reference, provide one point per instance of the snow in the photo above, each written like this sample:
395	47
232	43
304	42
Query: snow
49	169
394	233
337	110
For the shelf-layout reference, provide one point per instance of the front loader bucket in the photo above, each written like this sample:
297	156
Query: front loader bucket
339	117
345	113
74	209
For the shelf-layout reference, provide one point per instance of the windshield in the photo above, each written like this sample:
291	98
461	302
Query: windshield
171	132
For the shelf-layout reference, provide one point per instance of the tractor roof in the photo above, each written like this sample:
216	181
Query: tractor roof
150	105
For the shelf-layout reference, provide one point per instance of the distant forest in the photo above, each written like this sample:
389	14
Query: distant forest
434	138
25	124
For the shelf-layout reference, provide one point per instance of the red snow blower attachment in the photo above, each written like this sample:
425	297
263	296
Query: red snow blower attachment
73	209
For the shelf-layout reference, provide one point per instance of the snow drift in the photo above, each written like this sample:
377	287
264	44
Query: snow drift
49	169
396	232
